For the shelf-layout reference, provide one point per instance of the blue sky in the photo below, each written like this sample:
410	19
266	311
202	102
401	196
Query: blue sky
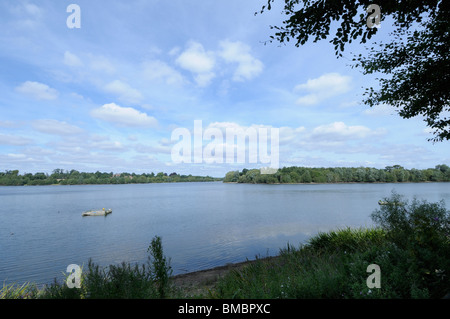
107	96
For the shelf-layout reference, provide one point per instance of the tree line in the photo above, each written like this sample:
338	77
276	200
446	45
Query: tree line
294	174
74	177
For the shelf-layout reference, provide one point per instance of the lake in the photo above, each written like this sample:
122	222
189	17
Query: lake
202	225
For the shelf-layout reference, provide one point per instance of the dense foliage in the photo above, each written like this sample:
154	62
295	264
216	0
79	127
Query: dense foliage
421	230
294	174
74	177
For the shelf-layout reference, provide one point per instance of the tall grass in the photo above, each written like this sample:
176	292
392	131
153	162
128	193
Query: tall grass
326	267
15	291
123	281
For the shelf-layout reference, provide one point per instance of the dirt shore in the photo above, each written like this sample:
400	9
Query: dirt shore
201	282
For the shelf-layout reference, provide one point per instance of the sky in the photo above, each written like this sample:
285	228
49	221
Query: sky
108	95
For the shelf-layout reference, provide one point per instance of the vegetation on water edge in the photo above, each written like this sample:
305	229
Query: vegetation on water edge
74	177
390	174
411	245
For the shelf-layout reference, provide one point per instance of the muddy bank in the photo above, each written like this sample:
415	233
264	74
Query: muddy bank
200	282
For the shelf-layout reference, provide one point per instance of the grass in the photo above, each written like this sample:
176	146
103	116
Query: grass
14	291
411	245
332	265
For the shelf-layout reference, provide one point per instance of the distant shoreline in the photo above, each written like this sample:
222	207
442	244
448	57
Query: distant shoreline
338	175
74	177
104	184
217	181
334	183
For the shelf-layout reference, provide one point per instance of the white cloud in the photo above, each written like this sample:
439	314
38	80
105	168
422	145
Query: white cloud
7	139
336	137
379	110
38	91
159	70
72	60
174	51
102	64
28	15
16	156
310	99
323	87
203	63
198	61
204	79
8	124
125	116
289	134
238	52
349	104
339	131
108	146
54	127
226	125
126	93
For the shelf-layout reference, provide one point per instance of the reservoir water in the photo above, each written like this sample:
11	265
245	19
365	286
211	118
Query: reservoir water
202	225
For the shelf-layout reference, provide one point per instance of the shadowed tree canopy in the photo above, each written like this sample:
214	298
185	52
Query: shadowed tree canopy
414	64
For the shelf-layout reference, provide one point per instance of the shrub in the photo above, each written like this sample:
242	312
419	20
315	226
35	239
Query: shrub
421	230
160	268
123	281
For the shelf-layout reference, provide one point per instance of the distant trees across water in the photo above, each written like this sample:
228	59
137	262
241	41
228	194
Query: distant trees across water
74	177
285	175
390	174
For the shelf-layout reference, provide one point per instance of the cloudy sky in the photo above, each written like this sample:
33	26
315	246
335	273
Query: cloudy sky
107	96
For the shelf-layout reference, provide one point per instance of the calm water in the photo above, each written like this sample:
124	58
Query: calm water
202	225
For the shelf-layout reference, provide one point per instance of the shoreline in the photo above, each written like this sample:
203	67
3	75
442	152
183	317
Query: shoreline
105	184
202	281
221	181
338	183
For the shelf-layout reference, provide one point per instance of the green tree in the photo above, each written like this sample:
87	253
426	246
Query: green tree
306	177
415	63
416	175
445	170
231	177
360	174
400	175
437	176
